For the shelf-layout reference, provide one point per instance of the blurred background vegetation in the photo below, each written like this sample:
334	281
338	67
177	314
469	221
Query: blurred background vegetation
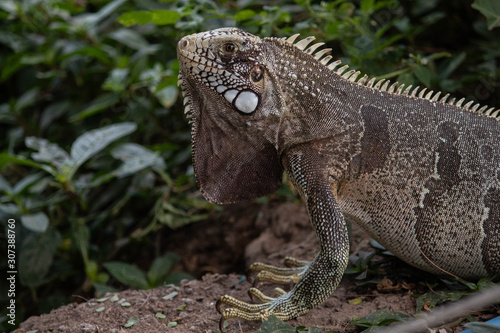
94	147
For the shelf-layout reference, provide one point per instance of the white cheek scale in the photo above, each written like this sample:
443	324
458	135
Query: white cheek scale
230	95
246	101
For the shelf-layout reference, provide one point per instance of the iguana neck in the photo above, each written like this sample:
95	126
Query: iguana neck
314	104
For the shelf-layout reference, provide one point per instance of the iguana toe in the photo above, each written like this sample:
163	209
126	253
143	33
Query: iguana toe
281	306
280	275
266	276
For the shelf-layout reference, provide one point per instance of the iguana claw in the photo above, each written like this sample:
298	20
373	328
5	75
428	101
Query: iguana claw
217	306
280	306
221	323
255	282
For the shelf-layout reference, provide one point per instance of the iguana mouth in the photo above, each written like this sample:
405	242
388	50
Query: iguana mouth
198	64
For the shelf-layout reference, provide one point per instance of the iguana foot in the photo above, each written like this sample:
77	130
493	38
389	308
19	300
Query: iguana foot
281	306
280	275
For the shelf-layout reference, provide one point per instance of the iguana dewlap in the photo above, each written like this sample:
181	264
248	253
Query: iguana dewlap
420	173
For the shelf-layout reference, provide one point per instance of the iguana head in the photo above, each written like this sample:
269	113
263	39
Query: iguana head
229	97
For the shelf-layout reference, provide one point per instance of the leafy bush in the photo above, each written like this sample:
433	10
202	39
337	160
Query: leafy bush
95	152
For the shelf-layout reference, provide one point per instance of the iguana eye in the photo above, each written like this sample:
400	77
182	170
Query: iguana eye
229	47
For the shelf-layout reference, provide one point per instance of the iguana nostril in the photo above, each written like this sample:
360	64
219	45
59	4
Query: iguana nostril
184	43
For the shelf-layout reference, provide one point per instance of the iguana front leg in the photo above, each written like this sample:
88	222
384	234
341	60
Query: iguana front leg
324	273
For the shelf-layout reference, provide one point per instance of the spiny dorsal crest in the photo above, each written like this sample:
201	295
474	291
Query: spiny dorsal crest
382	84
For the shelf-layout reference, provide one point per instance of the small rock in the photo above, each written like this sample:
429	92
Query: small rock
184	282
87	328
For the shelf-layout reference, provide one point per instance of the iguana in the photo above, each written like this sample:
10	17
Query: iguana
419	173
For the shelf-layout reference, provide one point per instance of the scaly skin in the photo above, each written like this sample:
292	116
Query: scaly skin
421	175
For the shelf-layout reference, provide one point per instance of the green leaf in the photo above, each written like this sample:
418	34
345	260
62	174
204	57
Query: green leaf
90	51
423	74
490	9
451	64
158	17
10	208
26	99
483	328
47	152
127	274
5	185
108	10
131	322
10	6
243	15
160	268
54	111
163	17
116	81
34	59
273	324
137	17
81	236
102	289
355	301
92	142
36	255
367	6
6	158
177	277
38	222
431	299
379	318
91	20
135	158
25	183
134	40
11	66
485	284
171	295
167	96
98	104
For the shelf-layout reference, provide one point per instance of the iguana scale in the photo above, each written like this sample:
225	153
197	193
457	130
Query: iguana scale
419	172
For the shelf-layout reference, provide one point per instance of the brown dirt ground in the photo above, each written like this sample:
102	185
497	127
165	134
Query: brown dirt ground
251	232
